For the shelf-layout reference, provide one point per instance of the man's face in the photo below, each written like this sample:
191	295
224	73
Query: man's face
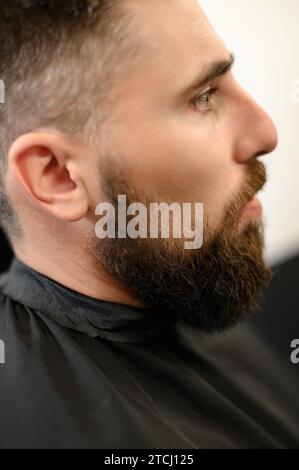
181	151
182	142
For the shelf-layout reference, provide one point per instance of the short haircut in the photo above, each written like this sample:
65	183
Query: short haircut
58	60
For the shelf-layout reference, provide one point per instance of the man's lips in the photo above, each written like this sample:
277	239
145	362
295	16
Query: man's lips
253	208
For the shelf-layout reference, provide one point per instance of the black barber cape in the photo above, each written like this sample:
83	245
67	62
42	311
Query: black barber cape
84	373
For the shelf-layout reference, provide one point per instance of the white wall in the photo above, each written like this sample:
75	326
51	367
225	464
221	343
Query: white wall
264	35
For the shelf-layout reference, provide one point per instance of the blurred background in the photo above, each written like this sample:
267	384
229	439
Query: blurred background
264	36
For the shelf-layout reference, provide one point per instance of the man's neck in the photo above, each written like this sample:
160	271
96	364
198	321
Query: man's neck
77	274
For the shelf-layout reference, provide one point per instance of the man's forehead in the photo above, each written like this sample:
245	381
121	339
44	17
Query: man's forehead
165	16
185	8
178	29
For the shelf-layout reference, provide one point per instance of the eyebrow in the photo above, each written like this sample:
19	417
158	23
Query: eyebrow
213	71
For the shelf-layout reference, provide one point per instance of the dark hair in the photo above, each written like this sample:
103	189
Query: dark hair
58	60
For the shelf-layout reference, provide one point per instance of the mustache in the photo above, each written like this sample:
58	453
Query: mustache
255	180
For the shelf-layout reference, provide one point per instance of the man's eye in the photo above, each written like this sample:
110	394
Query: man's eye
204	102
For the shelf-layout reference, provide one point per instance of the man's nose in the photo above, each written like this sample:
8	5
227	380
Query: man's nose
257	134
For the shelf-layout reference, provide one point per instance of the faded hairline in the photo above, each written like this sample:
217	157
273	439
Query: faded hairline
47	96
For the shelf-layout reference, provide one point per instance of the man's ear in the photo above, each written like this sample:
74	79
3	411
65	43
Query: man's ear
46	167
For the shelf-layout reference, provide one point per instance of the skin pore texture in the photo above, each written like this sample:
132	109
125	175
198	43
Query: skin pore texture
163	140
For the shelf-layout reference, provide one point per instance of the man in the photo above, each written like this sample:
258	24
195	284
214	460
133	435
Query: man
111	342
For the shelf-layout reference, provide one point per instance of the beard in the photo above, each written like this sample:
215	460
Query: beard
210	289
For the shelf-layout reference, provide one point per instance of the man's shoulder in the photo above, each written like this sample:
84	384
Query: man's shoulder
3	296
9	306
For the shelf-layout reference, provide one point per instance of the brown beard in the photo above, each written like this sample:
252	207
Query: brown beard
212	288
